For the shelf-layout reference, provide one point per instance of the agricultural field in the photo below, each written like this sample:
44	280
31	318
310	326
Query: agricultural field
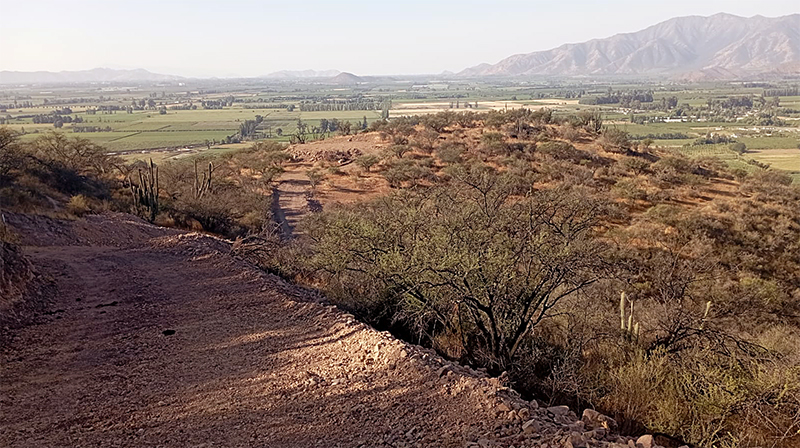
173	120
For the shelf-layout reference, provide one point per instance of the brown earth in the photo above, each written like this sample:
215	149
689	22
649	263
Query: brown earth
161	338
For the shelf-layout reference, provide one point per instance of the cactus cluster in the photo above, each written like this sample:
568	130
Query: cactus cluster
145	193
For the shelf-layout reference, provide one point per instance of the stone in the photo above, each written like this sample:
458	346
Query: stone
564	419
530	427
524	413
645	441
575	440
558	410
593	419
597	433
577	426
484	443
503	407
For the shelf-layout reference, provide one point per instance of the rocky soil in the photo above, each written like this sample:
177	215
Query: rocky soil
162	338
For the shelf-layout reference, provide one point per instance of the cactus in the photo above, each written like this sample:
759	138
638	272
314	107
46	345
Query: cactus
705	315
145	194
630	329
201	186
622	311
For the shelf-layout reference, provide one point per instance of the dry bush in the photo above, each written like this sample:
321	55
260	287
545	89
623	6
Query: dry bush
615	140
79	205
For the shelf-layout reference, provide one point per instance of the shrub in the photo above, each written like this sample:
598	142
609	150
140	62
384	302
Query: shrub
615	140
367	161
78	205
450	153
513	260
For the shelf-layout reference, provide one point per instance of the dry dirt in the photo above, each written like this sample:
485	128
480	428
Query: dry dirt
161	338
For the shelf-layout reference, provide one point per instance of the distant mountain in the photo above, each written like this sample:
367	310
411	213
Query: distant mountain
302	74
345	79
719	46
83	76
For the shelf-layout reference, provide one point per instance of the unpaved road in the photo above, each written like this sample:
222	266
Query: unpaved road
247	366
290	203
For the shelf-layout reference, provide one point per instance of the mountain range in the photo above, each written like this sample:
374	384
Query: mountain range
83	76
302	74
719	46
722	46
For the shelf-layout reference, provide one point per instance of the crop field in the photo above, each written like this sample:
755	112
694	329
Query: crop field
174	121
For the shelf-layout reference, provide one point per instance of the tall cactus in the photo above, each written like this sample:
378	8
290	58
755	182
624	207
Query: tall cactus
145	194
630	329
201	186
622	311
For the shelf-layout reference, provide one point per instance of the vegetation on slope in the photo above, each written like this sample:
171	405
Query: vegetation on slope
593	269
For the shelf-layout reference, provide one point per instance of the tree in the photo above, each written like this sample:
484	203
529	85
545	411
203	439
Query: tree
345	127
10	154
739	148
471	259
300	133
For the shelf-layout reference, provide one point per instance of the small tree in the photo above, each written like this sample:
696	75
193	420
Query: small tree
315	177
739	148
470	259
367	161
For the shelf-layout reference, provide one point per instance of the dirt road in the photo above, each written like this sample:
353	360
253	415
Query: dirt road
290	198
159	338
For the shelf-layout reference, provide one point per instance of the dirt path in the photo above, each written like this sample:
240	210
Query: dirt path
290	203
246	365
159	338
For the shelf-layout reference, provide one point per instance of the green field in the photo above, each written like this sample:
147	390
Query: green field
139	130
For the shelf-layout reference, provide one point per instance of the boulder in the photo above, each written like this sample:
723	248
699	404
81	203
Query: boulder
645	441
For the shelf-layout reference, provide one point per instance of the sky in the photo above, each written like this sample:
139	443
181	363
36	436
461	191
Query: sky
201	38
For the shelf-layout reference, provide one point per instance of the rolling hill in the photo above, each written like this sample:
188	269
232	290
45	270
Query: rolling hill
83	76
719	46
302	74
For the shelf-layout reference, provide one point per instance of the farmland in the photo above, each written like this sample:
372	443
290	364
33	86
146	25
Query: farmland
176	119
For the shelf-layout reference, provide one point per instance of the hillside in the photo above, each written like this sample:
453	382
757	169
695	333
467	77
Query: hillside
214	351
345	79
302	74
720	46
83	76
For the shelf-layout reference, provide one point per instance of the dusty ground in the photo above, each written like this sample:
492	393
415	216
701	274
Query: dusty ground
293	196
160	338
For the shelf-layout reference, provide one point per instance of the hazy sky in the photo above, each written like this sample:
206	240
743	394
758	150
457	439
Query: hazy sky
251	38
